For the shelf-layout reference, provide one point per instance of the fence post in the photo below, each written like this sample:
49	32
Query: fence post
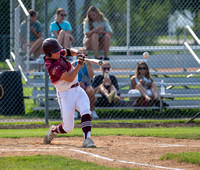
46	73
128	28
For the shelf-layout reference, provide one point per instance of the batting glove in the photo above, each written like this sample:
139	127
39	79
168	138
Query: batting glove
81	58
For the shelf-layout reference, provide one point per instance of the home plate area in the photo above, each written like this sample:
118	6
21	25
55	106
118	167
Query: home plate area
112	151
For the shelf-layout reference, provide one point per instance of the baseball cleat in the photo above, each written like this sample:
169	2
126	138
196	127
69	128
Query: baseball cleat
88	143
50	135
94	115
111	96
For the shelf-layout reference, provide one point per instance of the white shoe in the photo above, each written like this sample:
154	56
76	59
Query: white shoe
75	115
88	143
94	115
50	135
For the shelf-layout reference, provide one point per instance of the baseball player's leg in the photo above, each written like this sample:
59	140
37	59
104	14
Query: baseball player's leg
83	106
54	130
67	108
82	102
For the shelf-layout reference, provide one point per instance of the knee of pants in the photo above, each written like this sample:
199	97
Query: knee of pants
68	128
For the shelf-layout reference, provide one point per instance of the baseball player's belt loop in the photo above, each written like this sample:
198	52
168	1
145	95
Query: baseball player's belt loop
75	85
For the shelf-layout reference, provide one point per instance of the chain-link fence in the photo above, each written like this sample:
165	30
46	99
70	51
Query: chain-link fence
158	27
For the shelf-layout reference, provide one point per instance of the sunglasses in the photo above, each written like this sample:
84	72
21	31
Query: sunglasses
142	68
63	15
106	68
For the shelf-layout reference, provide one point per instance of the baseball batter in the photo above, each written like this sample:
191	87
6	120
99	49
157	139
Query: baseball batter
70	95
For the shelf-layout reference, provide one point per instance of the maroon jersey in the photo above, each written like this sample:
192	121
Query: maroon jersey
56	68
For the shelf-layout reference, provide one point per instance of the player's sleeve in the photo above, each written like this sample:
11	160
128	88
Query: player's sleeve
86	28
108	27
57	71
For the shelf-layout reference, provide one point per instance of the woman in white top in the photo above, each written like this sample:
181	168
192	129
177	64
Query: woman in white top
97	32
143	82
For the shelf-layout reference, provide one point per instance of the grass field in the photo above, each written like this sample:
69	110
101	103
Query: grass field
60	162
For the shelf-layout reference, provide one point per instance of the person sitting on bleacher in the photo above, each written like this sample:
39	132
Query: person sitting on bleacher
61	29
85	78
97	32
143	82
106	85
36	39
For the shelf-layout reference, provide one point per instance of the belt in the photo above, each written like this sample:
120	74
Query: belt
75	85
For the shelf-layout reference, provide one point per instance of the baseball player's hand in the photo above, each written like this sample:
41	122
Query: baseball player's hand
81	58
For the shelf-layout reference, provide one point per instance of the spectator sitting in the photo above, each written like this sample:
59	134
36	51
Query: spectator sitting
143	82
61	30
107	85
35	35
85	77
97	32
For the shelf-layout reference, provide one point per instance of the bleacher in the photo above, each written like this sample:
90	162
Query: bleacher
181	92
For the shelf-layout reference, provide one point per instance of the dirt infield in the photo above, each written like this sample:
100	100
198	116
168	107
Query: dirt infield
111	151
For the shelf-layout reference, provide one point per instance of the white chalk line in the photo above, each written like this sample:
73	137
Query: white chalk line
172	145
91	154
134	163
175	145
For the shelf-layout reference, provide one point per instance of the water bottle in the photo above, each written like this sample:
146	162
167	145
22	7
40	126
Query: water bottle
162	87
106	75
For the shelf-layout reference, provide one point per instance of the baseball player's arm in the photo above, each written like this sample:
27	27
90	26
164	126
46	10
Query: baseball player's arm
71	75
71	52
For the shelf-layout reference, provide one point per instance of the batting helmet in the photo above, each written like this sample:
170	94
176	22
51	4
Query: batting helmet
51	45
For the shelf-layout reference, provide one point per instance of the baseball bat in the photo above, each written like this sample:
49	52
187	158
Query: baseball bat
95	61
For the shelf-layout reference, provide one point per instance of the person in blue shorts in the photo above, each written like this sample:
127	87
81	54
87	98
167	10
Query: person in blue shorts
61	29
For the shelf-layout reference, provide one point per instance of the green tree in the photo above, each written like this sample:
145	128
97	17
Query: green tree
149	19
